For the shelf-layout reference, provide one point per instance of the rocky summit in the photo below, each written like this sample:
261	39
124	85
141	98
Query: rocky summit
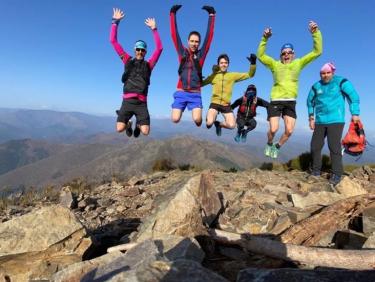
188	225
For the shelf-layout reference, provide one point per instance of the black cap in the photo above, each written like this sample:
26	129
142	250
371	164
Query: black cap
252	88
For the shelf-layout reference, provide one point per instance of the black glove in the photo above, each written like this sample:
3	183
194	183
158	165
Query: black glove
215	68
252	59
175	8
209	9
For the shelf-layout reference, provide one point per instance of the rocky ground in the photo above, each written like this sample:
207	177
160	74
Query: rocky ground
174	210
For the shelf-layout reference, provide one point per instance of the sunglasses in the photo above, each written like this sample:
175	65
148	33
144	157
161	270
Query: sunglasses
140	50
287	53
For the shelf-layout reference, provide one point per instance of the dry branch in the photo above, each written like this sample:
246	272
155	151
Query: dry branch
345	259
310	231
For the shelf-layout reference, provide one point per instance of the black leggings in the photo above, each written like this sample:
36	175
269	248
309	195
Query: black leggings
334	133
241	123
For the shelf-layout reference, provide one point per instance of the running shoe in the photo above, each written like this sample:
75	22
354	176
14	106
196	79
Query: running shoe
137	131
129	129
218	128
237	138
267	150
274	152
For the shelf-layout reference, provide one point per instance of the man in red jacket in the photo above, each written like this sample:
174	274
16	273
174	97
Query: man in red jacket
191	61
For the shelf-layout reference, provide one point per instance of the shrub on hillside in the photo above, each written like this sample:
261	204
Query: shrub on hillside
185	167
163	165
303	162
232	169
78	185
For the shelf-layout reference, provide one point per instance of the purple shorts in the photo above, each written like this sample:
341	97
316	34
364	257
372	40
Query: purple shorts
184	99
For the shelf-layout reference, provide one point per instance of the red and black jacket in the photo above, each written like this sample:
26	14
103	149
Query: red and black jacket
247	108
191	64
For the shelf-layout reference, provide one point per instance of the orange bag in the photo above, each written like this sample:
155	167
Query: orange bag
354	142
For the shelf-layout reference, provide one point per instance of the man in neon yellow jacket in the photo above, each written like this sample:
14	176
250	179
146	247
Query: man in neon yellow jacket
284	91
222	86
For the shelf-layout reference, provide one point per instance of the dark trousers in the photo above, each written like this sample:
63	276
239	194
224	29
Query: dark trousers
249	123
334	134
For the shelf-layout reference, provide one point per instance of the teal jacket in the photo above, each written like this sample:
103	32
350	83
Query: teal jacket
327	100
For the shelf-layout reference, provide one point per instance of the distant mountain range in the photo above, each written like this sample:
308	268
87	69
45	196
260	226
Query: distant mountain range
99	162
49	147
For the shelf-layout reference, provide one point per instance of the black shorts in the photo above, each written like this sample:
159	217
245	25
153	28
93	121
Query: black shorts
132	107
221	108
282	108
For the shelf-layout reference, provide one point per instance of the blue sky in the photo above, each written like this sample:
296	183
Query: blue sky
57	55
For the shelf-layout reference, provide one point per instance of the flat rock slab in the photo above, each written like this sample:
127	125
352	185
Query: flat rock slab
316	198
37	231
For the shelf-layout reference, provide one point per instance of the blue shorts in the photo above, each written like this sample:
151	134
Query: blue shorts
183	99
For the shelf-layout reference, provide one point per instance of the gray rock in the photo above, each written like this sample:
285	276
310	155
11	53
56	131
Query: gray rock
178	213
368	219
129	191
349	188
282	223
87	201
150	257
67	199
370	242
44	241
316	198
287	275
349	239
209	199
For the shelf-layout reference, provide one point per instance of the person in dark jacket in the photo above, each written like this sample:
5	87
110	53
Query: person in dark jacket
191	61
136	78
247	111
326	109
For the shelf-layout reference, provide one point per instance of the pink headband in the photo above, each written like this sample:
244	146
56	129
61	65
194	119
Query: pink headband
328	67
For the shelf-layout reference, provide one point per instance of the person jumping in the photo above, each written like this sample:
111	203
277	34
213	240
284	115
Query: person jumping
247	111
284	91
222	86
191	61
136	78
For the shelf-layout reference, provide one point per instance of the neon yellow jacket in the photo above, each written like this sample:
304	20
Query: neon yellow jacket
222	84
285	76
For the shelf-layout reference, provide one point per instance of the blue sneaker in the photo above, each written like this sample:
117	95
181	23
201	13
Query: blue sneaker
274	152
243	137
335	179
267	150
237	138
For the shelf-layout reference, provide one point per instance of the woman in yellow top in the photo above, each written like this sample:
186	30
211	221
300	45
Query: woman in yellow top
222	87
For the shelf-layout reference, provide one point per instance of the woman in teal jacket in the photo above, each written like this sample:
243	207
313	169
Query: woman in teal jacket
326	108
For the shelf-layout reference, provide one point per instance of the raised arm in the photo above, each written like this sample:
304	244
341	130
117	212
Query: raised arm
208	79
118	15
209	33
238	76
318	45
151	23
174	31
265	59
